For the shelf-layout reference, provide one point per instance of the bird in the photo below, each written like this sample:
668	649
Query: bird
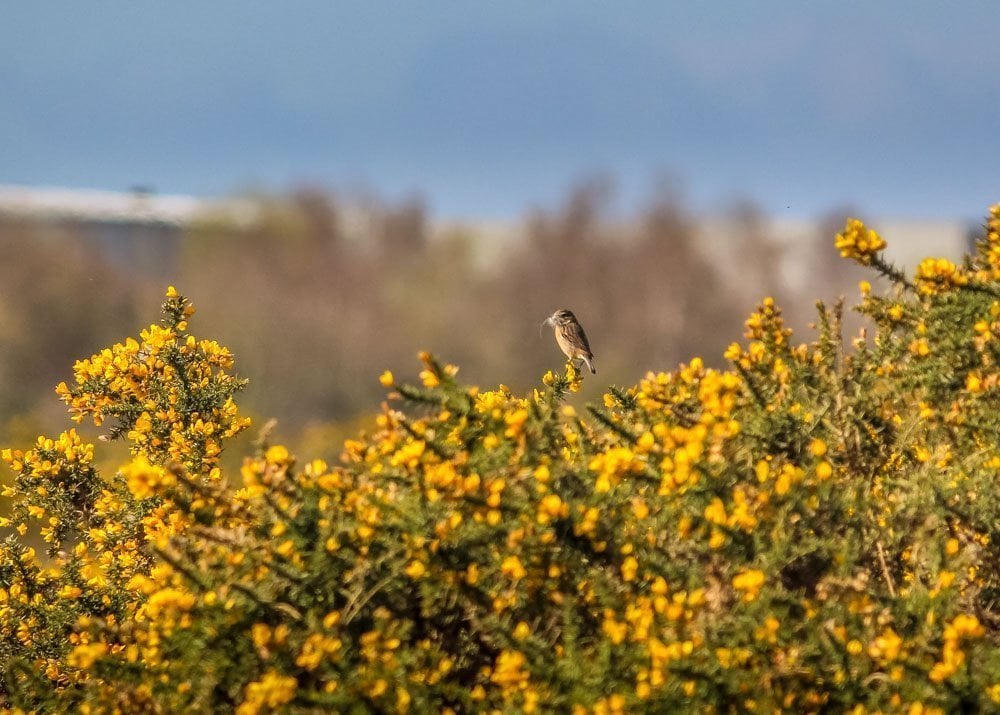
571	338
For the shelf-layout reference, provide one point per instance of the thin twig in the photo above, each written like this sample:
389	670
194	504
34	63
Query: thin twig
885	569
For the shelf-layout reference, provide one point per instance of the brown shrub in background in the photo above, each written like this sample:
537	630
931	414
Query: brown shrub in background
319	294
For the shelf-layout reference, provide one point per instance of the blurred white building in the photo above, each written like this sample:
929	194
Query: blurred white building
136	230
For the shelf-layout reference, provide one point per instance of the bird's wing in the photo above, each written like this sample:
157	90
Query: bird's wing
581	336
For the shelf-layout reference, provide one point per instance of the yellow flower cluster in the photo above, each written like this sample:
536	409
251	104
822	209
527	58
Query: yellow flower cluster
571	379
765	324
267	694
963	627
433	372
145	479
936	275
168	392
886	647
749	583
989	246
858	242
612	466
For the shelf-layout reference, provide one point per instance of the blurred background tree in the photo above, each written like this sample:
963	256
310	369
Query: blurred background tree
320	292
59	300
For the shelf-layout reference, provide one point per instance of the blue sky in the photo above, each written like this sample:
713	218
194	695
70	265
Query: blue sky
488	109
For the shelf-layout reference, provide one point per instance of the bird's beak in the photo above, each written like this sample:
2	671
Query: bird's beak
547	321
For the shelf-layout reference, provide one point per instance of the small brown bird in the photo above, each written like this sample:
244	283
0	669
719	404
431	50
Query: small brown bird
571	338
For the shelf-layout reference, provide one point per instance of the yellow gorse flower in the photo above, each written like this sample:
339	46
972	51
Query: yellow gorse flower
749	583
886	647
936	275
859	242
267	694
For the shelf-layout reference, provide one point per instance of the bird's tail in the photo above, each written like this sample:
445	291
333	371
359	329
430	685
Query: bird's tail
589	359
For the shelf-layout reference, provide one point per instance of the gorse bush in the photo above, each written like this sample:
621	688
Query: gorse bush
815	529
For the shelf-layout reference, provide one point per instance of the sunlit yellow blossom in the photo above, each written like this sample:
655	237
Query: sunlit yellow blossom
270	692
416	569
920	347
715	512
522	631
629	568
69	591
552	507
993	693
144	479
613	464
513	568
886	647
964	626
515	422
409	454
507	671
615	630
749	582
935	275
858	242
84	655
783	482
